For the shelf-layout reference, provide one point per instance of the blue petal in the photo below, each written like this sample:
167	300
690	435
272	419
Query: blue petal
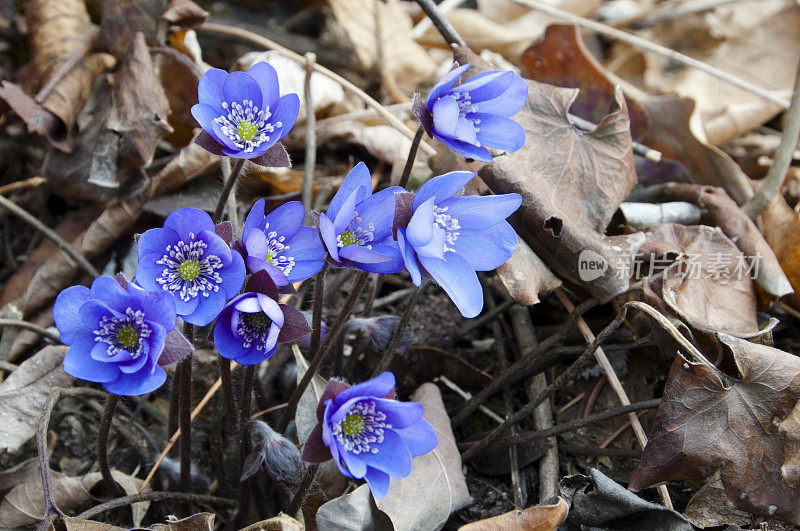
215	246
133	365
207	308
465	149
378	209
187	221
399	414
393	265
209	89
254	217
276	274
420	437
435	247
305	269
239	86
248	303
137	384
256	356
156	241
256	244
459	280
78	362
393	456
378	482
442	187
286	219
444	85
420	228
271	308
409	257
357	178
354	463
205	116
362	255
109	291
148	271
184	308
346	213
93	311
487	85
475	212
465	131
306	245
508	103
66	314
328	233
158	305
500	133
445	116
285	112
378	387
487	249
267	79
233	275
228	345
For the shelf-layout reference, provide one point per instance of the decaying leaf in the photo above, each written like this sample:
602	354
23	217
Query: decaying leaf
781	226
710	507
525	276
598	502
536	518
24	504
305	418
281	522
196	522
436	486
355	511
24	392
79	524
571	184
129	484
190	162
708	420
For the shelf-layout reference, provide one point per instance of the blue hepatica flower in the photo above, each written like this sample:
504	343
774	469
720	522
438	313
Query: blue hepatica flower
369	434
280	245
189	260
474	115
356	230
244	111
448	238
250	326
116	335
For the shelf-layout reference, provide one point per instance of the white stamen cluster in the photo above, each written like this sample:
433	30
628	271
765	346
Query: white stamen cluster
275	252
109	332
466	107
447	223
363	427
356	233
205	278
253	328
256	120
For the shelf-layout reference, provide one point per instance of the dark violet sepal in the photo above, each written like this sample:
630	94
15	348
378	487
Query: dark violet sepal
225	231
176	347
275	157
294	326
403	210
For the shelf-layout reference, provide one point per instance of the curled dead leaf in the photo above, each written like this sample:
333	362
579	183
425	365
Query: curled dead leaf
537	518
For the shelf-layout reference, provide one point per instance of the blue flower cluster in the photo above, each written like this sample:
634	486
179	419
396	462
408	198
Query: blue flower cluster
121	334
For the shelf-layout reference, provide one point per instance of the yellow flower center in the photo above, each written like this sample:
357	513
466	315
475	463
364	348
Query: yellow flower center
189	270
348	237
353	425
246	130
128	337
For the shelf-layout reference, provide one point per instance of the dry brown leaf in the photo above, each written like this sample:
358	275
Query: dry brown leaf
781	227
536	518
571	184
122	19
24	392
129	484
708	420
179	77
190	162
380	35
24	504
710	507
79	524
281	522
15	475
184	14
525	276
38	119
436	486
197	522
306	416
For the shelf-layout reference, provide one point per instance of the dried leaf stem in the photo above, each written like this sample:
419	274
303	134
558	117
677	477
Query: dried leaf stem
19	323
319	357
226	189
155	496
391	349
772	183
62	244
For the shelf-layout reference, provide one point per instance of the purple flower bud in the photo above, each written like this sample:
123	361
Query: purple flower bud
379	330
280	455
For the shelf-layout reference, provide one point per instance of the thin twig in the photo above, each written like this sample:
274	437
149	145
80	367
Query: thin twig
302	490
391	349
772	183
319	357
447	31
316	311
226	189
642	44
33	182
47	231
412	155
199	499
19	323
102	445
311	137
240	33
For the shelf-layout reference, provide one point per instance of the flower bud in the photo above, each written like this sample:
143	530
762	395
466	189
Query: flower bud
379	330
280	455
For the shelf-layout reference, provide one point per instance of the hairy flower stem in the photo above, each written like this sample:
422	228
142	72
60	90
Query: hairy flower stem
102	446
391	348
244	446
412	155
319	357
302	491
226	189
184	374
174	406
444	27
316	315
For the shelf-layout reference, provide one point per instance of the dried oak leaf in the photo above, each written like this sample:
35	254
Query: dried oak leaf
781	227
663	123
711	288
709	421
24	393
25	505
571	184
537	518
